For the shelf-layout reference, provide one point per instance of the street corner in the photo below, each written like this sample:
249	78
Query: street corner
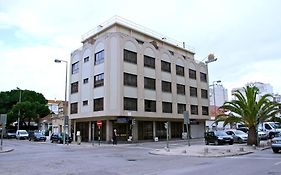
6	150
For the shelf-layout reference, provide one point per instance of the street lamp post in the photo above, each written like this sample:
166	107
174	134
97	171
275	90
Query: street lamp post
65	95
19	109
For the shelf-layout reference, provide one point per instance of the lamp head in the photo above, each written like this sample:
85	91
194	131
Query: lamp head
57	61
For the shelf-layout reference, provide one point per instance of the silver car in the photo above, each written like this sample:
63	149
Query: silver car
276	143
238	136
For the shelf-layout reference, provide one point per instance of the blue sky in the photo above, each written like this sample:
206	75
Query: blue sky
244	35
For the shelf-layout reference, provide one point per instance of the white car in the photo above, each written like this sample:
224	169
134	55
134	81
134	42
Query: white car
238	136
21	134
276	143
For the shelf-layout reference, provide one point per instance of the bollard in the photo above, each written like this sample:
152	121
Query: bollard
241	149
228	150
254	146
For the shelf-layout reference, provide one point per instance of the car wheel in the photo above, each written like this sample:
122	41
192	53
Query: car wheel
240	141
231	143
52	141
275	150
216	142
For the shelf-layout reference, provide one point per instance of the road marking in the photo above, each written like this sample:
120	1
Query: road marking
256	158
278	163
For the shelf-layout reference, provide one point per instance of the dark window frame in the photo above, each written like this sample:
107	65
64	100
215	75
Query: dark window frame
130	80
99	57
179	70
99	80
149	105
74	108
149	83
166	86
181	108
85	80
181	89
74	87
203	77
194	109
149	61
85	103
204	93
130	104
75	68
130	56
205	110
167	107
98	104
165	66
193	91
86	59
192	74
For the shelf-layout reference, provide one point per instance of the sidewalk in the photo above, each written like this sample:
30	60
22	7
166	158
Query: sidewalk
211	150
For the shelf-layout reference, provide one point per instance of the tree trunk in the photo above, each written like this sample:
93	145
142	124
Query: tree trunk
252	136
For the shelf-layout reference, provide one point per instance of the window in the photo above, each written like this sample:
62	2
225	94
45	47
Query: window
130	104
180	70
181	108
130	80
149	62
167	107
166	86
98	80
130	56
165	66
204	93
75	68
74	108
86	80
85	103
86	59
203	77
192	74
149	83
181	89
194	109
149	106
205	110
193	91
98	104
74	87
99	57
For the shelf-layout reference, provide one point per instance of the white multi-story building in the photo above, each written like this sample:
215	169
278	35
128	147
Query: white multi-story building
263	89
135	80
218	95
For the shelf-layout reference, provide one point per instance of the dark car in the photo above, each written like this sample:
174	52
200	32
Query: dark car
58	137
36	136
218	138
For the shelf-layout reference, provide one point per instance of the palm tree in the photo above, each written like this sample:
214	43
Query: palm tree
248	110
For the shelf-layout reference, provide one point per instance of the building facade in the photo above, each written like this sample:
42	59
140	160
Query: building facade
133	80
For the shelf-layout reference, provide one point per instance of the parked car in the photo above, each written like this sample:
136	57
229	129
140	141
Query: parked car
218	138
238	136
58	137
262	135
37	136
276	143
21	134
10	133
244	129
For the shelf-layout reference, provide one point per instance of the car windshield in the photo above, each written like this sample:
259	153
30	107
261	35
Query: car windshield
238	132
22	132
38	134
220	133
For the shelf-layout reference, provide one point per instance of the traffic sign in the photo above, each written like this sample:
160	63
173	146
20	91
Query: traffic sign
99	123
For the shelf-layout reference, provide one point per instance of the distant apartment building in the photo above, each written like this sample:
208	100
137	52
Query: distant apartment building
134	80
263	89
218	95
55	119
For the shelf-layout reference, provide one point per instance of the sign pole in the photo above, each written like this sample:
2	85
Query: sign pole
3	121
187	123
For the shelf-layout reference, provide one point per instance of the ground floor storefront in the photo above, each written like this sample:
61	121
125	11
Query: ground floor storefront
133	129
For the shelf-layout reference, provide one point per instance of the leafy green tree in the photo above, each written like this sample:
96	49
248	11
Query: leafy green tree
33	105
248	110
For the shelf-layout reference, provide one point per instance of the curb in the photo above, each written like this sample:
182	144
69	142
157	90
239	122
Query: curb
6	150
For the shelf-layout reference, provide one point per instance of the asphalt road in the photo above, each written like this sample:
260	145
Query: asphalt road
35	158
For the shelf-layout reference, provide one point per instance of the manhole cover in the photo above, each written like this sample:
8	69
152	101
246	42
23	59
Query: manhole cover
131	160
